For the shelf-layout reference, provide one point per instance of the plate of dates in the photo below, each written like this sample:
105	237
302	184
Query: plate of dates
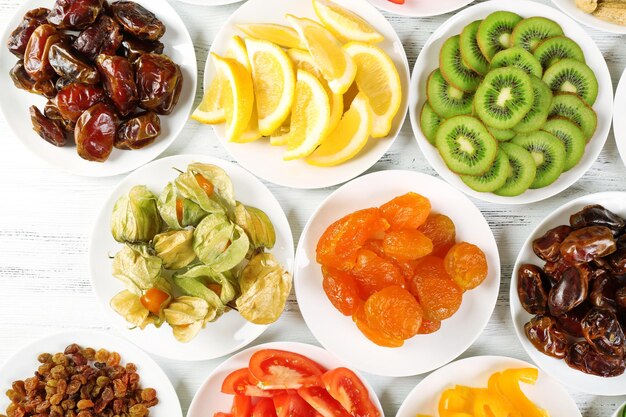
97	88
568	294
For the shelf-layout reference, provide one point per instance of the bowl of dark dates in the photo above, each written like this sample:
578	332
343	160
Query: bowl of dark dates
568	294
97	87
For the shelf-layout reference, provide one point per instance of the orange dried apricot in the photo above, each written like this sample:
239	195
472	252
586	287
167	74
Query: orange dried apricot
406	267
439	296
467	265
379	338
408	211
373	273
429	326
406	245
441	231
395	312
341	289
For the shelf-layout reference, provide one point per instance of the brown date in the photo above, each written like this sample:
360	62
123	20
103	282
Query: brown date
583	357
36	61
596	215
22	80
118	79
95	132
69	66
48	129
18	39
543	333
52	112
133	48
571	322
547	247
620	297
75	98
603	332
603	290
571	290
554	270
159	82
138	132
74	14
588	243
136	20
103	37
530	289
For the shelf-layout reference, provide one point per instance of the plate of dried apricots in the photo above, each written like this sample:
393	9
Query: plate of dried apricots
401	264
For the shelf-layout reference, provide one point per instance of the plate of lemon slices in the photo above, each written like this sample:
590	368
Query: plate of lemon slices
306	94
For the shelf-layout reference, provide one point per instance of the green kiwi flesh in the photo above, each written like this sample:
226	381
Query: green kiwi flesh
547	151
454	70
502	135
429	122
571	136
552	50
493	179
529	33
494	33
521	173
538	113
446	100
572	76
470	51
517	57
572	107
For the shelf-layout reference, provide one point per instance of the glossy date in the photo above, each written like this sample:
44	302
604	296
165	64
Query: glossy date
46	128
95	132
137	21
118	79
159	82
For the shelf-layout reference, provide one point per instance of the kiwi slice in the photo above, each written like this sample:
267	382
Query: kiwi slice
522	170
470	51
552	50
571	136
494	33
429	122
446	100
493	179
466	145
547	151
502	135
572	76
517	57
504	97
538	113
454	70
572	107
530	32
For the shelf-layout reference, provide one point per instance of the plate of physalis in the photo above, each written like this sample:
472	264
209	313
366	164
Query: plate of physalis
306	94
190	257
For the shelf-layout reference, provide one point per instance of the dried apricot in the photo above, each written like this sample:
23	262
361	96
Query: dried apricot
394	312
429	326
406	245
341	289
408	211
441	231
406	267
373	273
439	296
467	265
379	338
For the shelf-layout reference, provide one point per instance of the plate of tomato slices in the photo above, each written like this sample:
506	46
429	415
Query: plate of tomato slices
284	379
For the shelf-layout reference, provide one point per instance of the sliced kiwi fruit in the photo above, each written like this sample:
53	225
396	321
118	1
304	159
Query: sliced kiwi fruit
573	108
470	51
521	173
571	136
466	145
446	100
517	57
494	33
552	50
547	151
454	70
494	178
429	122
538	113
572	76
504	97
530	32
502	135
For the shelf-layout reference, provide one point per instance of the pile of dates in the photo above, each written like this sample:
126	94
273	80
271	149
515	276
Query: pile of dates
579	297
102	69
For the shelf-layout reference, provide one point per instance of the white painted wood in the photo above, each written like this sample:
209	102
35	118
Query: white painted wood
46	217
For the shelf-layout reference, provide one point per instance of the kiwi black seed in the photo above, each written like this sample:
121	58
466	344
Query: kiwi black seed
572	76
466	145
538	113
504	97
517	57
573	108
470	51
454	70
446	100
552	50
494	178
522	170
502	135
530	32
494	33
429	122
571	136
547	151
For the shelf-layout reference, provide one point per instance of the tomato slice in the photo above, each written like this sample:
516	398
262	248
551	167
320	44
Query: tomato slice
279	369
242	406
254	391
323	402
344	386
292	405
237	381
264	408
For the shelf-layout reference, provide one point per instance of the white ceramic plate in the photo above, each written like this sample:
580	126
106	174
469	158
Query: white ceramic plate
339	334
231	331
14	103
569	7
210	2
619	121
421	8
266	161
23	364
614	201
209	398
475	372
428	60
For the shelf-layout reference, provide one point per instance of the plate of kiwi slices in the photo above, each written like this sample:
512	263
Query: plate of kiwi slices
511	102
619	121
420	8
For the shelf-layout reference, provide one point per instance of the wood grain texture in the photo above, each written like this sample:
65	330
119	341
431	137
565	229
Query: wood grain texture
46	217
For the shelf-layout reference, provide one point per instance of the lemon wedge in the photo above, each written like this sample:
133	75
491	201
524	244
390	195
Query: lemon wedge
348	138
309	118
330	59
344	24
274	83
377	77
280	35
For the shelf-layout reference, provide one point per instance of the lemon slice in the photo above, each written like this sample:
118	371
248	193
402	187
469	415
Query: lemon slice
344	24
309	118
329	57
280	35
348	138
378	78
274	83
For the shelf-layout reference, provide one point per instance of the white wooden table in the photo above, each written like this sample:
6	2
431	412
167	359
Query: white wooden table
46	217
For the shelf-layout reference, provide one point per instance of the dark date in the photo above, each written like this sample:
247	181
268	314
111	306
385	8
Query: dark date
159	82
603	290
587	244
531	290
544	334
547	247
133	48
137	21
22	80
36	61
46	128
571	322
583	357
75	98
118	79
69	66
103	37
138	132
74	14
603	332
571	290
596	215
52	112
95	132
18	39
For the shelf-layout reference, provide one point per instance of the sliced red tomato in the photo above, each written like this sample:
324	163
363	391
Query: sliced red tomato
323	402
255	391
264	408
237	381
279	369
242	406
344	386
292	405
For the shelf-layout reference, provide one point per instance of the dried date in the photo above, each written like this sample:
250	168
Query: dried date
74	14
138	132
530	289
46	128
95	132
159	82
583	357
18	39
118	79
69	66
52	112
103	37
547	247
36	61
133	48
75	98
604	290
137	21
571	290
571	322
543	333
587	244
603	332
596	215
